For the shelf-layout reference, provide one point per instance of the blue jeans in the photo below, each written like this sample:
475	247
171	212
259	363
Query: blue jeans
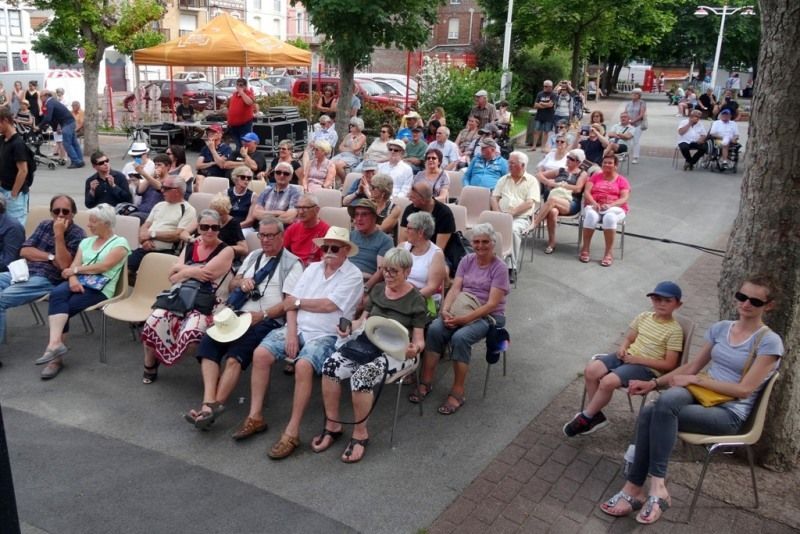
71	144
16	208
13	295
460	339
63	300
657	429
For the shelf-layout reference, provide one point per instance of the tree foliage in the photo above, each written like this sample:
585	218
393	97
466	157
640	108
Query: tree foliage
94	26
353	28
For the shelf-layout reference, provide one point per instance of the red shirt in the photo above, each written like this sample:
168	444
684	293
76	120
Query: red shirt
238	112
299	241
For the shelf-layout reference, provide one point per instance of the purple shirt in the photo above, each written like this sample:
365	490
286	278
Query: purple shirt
479	280
44	239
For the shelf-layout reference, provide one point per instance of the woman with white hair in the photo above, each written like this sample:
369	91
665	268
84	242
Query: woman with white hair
320	171
476	301
637	111
562	190
429	271
394	298
351	149
92	278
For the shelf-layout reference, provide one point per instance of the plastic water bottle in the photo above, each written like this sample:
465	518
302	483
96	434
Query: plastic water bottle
628	458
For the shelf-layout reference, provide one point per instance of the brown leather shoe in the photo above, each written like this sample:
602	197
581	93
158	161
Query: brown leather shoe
283	447
249	427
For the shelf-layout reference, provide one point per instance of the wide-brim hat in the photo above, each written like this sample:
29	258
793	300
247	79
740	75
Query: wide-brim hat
388	335
138	148
337	233
363	203
228	326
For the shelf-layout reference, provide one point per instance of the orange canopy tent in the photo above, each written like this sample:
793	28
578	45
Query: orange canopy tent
224	42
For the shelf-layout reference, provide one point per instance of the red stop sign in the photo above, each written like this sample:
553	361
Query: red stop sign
23	56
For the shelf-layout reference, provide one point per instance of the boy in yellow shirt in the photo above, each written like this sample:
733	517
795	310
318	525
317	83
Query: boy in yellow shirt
651	347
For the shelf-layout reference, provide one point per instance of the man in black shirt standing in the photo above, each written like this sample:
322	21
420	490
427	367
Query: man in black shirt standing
185	111
13	168
57	115
545	113
105	186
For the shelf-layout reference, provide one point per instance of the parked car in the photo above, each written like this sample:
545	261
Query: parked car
200	94
368	91
398	85
190	76
281	82
260	87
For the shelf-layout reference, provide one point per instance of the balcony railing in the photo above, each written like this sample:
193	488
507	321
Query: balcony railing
193	4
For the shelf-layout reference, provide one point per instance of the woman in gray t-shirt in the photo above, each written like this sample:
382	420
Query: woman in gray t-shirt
743	355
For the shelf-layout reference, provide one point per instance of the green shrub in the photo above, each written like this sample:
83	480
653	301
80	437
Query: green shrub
533	66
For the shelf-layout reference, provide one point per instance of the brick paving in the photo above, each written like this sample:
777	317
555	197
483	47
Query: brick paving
545	482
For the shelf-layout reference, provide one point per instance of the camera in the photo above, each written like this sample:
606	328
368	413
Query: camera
255	294
584	130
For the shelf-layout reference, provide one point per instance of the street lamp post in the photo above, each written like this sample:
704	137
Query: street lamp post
724	11
505	79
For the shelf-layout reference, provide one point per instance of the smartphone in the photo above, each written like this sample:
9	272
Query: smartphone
344	324
584	130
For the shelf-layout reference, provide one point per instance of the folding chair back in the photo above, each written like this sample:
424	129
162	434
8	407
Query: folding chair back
214	185
476	200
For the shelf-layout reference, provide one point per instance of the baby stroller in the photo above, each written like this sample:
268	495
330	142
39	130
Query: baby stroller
35	139
712	160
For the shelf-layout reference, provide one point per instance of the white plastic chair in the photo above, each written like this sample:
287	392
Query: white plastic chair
329	197
476	200
127	226
36	215
214	185
335	216
599	228
257	186
456	184
200	201
460	215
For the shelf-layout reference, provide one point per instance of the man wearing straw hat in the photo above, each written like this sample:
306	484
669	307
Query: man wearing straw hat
327	291
257	291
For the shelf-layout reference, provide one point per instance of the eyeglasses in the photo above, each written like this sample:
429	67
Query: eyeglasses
101	162
262	235
390	271
60	212
282	173
245	177
168	188
395	150
481	241
560	142
432	158
384	131
572	158
207	227
332	248
311	207
741	297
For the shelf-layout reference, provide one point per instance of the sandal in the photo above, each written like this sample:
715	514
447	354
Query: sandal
150	374
548	249
418	395
650	515
348	452
584	257
449	409
203	420
317	442
613	501
607	260
283	447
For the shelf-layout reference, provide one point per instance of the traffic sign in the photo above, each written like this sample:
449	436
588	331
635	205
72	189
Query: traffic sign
23	56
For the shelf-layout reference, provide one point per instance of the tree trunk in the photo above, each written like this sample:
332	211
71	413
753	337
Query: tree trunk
766	233
91	71
576	58
346	71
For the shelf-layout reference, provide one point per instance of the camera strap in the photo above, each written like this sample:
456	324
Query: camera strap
267	272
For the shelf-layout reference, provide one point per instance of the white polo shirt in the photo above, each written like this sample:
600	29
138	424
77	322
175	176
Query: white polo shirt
692	134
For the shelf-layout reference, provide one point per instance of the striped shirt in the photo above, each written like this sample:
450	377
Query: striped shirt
654	337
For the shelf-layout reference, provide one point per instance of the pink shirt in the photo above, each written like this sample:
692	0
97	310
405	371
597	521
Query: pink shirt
608	191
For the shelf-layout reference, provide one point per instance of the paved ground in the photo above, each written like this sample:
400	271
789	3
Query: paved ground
96	451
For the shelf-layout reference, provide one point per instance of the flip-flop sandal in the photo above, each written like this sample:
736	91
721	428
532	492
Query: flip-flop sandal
584	257
650	515
348	452
614	500
283	447
150	374
449	409
607	261
417	395
549	249
206	419
316	443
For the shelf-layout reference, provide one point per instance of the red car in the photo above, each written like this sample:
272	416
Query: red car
368	91
201	94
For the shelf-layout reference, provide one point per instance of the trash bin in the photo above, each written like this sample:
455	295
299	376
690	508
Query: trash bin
529	130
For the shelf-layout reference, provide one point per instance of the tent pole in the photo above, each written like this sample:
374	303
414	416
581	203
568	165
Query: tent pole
408	75
171	96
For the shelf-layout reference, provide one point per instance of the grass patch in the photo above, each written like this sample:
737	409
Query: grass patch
520	121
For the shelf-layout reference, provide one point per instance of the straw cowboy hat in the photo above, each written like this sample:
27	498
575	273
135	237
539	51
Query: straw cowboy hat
388	335
228	326
336	233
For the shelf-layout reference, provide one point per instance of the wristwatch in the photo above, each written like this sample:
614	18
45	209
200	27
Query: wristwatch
152	234
51	257
296	304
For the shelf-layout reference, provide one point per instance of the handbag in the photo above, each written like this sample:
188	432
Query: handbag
464	303
643	125
708	397
561	192
189	295
360	350
18	269
93	281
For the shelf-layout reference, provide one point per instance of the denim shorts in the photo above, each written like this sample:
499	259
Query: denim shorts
626	371
543	126
315	351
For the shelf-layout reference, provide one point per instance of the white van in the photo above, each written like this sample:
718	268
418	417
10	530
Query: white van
70	80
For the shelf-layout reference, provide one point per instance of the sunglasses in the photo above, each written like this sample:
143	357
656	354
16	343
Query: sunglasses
101	162
434	158
282	173
384	131
305	207
207	227
571	158
331	248
60	212
395	150
245	177
741	297
168	188
262	235
561	142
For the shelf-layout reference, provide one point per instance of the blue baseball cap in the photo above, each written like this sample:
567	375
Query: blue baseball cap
667	289
249	137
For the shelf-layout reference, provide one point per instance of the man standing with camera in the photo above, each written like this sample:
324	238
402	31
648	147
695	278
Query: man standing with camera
257	292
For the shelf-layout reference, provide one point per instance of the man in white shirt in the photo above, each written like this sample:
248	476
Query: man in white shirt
400	171
726	132
448	148
619	135
692	136
327	291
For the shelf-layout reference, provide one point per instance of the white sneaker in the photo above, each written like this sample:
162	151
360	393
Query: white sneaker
635	160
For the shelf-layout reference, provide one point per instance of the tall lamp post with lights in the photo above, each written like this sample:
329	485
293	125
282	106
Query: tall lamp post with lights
724	11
